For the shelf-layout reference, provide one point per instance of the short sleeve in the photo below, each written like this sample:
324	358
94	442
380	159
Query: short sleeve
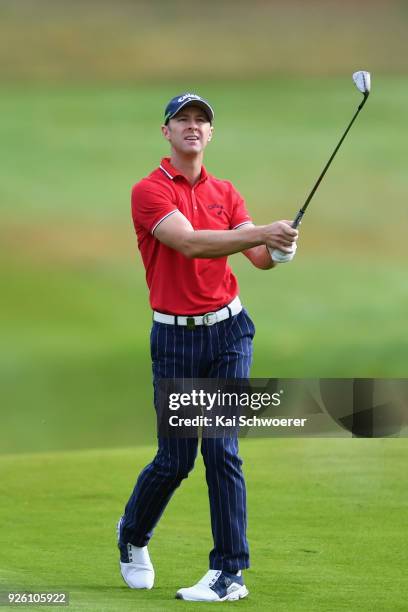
240	215
151	204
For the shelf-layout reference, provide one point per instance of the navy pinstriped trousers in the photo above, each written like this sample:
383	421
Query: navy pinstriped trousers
223	350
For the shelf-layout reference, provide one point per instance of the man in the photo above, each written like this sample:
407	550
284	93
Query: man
187	223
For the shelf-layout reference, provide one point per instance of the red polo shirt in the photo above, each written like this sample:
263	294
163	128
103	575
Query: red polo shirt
179	285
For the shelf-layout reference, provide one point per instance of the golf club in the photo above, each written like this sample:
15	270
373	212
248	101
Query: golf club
362	79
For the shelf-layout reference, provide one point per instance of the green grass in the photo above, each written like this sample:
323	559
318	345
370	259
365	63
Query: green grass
326	527
81	149
79	124
79	354
134	41
75	316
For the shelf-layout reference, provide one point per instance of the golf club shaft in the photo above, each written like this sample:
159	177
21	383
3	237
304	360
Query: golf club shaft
302	211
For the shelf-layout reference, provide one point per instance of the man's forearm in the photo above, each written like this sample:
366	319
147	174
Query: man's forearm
177	233
219	243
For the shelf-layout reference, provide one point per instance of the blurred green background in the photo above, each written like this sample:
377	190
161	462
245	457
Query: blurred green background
83	87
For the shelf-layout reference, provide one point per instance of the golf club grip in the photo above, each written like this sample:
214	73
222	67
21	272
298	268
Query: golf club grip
298	219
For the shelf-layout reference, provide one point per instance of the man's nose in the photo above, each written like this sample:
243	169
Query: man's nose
192	124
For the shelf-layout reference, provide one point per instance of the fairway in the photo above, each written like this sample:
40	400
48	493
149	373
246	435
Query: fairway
325	527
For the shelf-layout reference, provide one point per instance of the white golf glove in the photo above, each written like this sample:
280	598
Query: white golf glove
281	257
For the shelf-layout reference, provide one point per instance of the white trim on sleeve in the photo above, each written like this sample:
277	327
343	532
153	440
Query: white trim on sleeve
165	172
162	219
243	223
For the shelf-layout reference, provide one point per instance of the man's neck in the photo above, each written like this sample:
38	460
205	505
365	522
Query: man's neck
189	166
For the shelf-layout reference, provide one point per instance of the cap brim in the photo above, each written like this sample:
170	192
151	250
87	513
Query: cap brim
206	108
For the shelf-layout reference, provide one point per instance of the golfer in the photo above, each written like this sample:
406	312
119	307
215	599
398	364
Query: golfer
187	223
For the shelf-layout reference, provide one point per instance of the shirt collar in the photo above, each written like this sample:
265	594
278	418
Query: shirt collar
171	172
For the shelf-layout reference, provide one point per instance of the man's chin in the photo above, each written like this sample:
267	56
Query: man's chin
192	151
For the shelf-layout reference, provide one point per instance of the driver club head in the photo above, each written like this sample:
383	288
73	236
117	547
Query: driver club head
362	79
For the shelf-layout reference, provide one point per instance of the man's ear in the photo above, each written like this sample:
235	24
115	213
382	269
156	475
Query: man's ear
211	134
165	131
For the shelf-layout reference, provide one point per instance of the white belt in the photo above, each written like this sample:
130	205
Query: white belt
209	318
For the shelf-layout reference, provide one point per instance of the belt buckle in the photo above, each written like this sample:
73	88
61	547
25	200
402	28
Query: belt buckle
209	318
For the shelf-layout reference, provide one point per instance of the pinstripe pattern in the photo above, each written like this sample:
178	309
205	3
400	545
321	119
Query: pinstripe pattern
223	350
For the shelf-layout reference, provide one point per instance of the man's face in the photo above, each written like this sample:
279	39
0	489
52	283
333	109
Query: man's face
189	131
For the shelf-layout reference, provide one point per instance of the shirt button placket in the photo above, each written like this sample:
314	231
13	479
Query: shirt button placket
194	202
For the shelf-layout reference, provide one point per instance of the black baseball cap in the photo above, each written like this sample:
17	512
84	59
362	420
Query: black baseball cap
178	102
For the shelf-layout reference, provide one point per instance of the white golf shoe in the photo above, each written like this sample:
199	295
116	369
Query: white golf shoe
135	565
215	586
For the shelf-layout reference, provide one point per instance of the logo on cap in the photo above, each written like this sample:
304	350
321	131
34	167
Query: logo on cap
178	102
188	95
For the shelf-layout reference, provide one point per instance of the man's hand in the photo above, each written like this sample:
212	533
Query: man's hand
282	247
280	235
280	257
